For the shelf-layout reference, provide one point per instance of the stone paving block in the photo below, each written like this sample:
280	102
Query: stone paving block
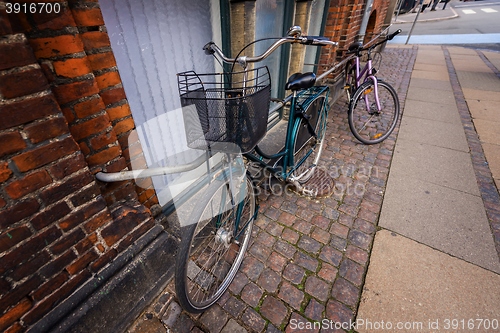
488	131
214	319
439	75
486	81
274	310
480	95
233	327
430	95
484	109
432	111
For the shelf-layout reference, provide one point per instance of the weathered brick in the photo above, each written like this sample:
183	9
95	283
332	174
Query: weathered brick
67	167
28	184
51	285
54	21
57	46
82	214
5	172
72	67
18	212
89	107
11	142
104	156
25	111
125	219
86	244
108	79
69	92
58	265
31	247
82	262
9	238
71	185
50	215
41	308
14	54
30	267
135	235
90	127
114	95
87	17
100	61
23	83
102	140
5	28
45	154
15	313
17	294
97	221
67	241
95	40
103	260
47	130
85	196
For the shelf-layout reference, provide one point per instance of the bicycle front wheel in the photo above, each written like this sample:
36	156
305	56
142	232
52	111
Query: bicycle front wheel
213	246
371	122
307	148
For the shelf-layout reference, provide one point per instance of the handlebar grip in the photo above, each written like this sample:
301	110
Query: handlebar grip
391	36
208	48
317	40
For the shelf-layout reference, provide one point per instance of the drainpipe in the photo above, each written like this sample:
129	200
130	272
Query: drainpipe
364	22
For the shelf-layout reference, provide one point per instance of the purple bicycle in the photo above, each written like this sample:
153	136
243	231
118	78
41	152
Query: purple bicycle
373	103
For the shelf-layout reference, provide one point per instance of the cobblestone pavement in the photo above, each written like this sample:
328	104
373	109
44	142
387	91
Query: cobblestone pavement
308	258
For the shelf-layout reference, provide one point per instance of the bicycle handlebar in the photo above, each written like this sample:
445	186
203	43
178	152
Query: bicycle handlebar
211	48
364	48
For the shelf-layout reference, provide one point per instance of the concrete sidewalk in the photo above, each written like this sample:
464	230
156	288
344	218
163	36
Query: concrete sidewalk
435	261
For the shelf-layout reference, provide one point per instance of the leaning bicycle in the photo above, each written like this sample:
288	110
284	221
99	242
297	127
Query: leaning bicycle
373	103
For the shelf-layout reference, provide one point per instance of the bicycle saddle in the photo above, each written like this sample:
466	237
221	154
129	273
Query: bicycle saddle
300	81
355	46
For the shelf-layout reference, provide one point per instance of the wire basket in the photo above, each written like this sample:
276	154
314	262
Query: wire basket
231	108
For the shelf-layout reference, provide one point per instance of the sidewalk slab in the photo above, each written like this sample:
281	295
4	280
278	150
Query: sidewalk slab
430	95
417	82
409	282
432	111
446	219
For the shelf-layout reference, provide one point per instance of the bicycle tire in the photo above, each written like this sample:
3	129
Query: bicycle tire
199	264
371	126
350	79
305	143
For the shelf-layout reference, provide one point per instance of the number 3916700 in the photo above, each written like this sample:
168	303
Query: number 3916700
34	7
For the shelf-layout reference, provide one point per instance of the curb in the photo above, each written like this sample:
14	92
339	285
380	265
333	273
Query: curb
455	15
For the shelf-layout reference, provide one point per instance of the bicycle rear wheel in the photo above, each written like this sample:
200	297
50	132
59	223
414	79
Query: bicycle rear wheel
367	123
307	149
213	246
350	79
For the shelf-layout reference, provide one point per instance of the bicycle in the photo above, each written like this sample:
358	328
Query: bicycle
373	103
231	113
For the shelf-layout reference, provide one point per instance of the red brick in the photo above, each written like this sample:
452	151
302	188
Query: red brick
103	140
108	79
28	184
18	212
100	61
112	96
124	126
67	241
15	54
54	21
3	203
57	46
104	156
97	221
95	40
22	254
72	67
31	266
19	292
41	308
67	167
5	28
15	328
47	129
11	142
89	107
14	314
58	265
51	215
9	238
90	127
5	172
88	17
50	286
103	260
25	111
86	244
119	112
136	234
70	186
82	262
73	91
23	83
81	215
45	154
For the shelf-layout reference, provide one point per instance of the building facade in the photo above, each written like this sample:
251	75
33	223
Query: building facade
82	86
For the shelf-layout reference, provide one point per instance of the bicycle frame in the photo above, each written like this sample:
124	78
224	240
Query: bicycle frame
367	73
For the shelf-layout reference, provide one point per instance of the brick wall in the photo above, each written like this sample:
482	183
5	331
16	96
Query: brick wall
64	117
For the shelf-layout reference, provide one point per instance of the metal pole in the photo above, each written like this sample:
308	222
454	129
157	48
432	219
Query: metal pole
414	22
399	9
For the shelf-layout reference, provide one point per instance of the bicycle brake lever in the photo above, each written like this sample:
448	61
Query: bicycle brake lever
208	48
